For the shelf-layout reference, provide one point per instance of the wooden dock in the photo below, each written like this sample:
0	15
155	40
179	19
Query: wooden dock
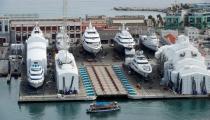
105	81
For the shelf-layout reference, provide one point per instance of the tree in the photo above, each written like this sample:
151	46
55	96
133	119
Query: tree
145	22
154	21
160	19
204	24
150	17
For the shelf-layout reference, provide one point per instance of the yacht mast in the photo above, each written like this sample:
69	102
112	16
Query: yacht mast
64	12
64	22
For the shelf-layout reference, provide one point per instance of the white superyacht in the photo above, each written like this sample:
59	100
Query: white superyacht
91	40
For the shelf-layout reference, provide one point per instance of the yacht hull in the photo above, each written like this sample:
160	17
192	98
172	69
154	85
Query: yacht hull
139	71
91	49
121	48
36	83
149	45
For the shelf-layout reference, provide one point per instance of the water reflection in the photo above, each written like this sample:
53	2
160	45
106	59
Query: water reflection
188	109
67	110
104	116
36	110
187	105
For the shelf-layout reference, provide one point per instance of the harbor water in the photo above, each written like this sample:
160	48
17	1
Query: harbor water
80	8
197	109
182	109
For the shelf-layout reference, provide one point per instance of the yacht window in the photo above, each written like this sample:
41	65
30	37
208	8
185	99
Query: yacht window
130	55
91	32
35	69
140	62
91	37
88	42
35	78
141	58
124	37
36	32
36	74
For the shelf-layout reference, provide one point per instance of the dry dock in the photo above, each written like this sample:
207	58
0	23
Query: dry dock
105	76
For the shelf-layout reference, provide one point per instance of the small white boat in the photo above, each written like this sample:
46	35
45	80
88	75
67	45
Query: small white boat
140	64
150	40
91	40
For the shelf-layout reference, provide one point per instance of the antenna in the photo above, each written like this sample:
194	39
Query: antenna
64	12
123	26
90	24
64	21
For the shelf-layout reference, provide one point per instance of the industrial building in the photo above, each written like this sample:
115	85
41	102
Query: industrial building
21	29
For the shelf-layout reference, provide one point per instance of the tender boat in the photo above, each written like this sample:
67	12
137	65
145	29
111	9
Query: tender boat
103	107
150	40
140	64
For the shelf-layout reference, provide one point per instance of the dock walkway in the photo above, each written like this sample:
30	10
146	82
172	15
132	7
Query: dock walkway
105	81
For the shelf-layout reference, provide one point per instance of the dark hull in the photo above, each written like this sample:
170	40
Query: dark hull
104	110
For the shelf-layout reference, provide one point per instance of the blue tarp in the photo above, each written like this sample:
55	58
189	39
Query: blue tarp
103	103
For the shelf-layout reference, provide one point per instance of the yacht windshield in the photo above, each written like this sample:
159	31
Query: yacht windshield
91	37
91	32
36	78
141	58
140	62
129	55
36	69
92	42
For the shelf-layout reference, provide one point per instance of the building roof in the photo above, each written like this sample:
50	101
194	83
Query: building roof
171	38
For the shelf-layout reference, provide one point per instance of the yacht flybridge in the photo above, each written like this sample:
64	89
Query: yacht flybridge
91	40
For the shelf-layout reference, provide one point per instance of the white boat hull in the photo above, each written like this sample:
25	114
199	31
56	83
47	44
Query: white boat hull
150	46
121	48
139	71
36	83
93	50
